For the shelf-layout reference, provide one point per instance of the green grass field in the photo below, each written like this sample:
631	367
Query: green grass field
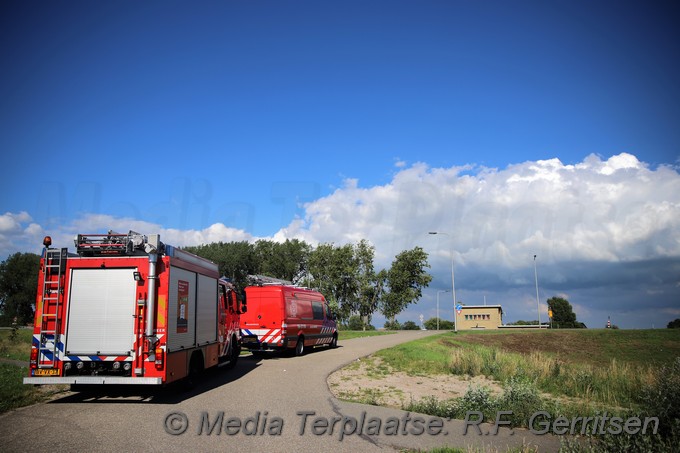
569	373
592	346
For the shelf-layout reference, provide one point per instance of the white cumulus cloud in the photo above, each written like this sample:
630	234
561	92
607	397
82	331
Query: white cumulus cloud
28	237
604	210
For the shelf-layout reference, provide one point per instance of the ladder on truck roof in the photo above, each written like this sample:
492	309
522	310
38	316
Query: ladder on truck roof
265	280
52	297
118	244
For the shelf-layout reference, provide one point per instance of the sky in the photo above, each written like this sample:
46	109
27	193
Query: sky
513	128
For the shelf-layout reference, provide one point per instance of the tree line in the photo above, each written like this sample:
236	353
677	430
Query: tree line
345	274
563	316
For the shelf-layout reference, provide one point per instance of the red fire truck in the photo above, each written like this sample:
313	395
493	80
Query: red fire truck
128	309
286	317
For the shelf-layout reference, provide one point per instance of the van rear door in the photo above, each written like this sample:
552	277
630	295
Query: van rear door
261	326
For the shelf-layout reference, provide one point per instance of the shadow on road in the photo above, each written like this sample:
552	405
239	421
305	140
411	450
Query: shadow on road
176	392
171	394
285	355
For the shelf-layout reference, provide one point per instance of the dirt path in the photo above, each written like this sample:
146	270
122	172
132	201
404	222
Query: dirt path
369	380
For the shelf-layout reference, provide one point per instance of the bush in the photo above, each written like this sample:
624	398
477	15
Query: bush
444	324
477	399
521	396
410	325
662	400
356	323
432	406
392	325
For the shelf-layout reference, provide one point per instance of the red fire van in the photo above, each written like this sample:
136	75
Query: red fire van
286	317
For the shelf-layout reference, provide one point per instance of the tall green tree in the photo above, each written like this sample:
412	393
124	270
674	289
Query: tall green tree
563	314
346	276
18	288
334	271
405	281
370	283
236	260
285	260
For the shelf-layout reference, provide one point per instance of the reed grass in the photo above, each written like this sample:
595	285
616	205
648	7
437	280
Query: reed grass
613	383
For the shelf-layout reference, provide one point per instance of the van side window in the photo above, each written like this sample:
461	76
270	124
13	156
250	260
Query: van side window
317	310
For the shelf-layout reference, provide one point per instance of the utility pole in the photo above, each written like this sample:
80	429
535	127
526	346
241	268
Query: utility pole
538	304
453	282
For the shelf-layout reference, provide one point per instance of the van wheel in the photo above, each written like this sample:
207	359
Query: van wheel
334	341
300	346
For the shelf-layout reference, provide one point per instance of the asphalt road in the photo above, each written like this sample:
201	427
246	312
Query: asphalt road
275	404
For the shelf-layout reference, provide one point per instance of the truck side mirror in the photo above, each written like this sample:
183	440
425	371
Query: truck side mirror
230	299
223	296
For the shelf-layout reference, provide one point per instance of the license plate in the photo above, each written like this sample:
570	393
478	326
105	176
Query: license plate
249	340
46	372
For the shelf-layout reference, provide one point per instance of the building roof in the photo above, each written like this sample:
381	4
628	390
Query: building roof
482	306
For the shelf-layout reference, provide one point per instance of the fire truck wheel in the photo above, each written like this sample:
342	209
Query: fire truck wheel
195	369
300	346
234	352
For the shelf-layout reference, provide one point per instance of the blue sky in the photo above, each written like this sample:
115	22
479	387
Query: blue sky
325	121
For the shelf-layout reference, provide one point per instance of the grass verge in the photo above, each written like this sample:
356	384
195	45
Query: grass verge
14	394
15	346
349	334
